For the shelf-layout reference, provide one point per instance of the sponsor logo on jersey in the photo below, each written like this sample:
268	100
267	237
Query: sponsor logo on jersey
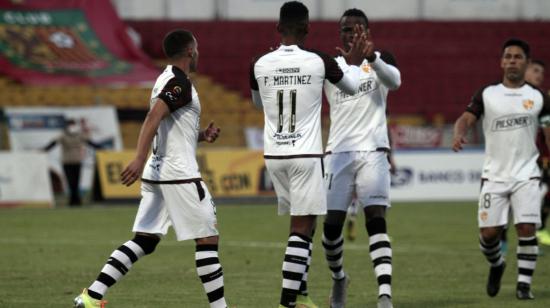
288	70
287	139
367	86
177	90
511	122
528	104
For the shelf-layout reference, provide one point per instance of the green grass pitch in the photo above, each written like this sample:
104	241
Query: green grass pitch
48	256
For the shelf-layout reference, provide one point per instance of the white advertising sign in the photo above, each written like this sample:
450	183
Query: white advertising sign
437	175
31	129
24	179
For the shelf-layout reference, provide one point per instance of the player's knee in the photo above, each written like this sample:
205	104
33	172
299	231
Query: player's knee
376	225
526	229
374	211
147	242
332	231
334	217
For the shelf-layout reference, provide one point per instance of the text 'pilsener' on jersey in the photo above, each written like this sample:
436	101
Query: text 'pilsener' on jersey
175	144
289	81
510	123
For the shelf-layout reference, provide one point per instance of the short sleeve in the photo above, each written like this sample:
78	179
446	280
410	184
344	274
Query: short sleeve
476	104
176	93
252	76
388	58
333	73
544	116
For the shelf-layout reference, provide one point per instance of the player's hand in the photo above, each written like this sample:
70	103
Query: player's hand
211	133
356	52
458	141
368	51
132	172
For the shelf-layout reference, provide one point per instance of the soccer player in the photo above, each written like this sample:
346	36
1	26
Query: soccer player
173	193
288	82
357	161
510	110
535	76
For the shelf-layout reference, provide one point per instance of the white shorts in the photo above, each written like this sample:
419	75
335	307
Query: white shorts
365	173
496	198
179	206
298	183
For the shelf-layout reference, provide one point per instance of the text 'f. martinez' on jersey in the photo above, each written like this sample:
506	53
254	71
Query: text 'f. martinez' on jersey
175	144
290	83
510	123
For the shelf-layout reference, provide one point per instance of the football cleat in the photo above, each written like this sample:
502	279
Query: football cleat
495	275
86	301
523	291
338	293
543	237
305	302
384	301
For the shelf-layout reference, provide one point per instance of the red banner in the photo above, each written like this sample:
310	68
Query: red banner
69	42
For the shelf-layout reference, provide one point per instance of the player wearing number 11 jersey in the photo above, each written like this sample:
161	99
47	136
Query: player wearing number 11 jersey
288	83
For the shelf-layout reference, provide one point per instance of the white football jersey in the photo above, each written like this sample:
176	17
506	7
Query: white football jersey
290	82
510	123
175	144
358	122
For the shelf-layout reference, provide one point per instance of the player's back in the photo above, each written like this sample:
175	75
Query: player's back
290	81
175	143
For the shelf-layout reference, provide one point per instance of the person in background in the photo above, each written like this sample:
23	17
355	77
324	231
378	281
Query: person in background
73	141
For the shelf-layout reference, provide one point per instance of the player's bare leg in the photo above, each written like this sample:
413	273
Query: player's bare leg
333	244
490	245
527	259
380	252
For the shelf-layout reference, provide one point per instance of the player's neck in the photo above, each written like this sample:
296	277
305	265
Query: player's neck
183	65
513	83
292	40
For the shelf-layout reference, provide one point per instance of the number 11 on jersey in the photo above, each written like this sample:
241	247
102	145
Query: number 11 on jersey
292	127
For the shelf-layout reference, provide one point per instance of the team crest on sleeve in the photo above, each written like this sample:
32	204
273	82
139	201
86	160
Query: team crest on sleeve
528	104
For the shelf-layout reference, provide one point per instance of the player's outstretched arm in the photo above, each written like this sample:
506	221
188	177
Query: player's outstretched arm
148	130
210	134
462	125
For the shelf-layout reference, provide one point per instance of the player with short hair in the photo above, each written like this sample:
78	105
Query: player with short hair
511	110
357	161
173	193
288	82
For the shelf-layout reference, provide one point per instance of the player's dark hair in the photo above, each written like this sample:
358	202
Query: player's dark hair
356	13
176	42
293	19
539	62
519	43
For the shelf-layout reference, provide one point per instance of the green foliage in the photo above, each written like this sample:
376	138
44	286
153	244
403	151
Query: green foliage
48	256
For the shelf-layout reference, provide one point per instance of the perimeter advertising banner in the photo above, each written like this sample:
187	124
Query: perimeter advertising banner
68	42
227	173
427	175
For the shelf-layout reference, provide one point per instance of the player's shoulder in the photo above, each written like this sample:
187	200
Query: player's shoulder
536	89
264	54
494	85
387	57
317	53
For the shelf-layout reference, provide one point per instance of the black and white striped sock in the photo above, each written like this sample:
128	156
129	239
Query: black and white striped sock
381	254
120	262
527	253
210	272
333	243
303	286
294	267
491	251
